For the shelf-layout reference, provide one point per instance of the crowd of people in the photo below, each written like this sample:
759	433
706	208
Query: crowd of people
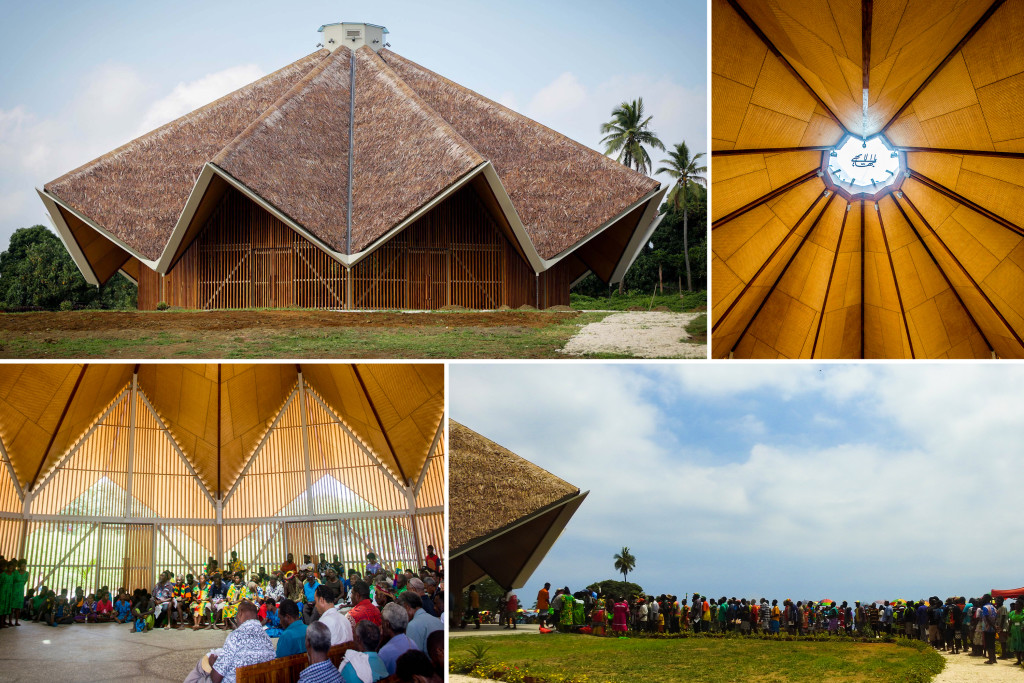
391	619
972	626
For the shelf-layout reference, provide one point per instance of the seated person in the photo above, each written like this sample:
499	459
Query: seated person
309	588
420	623
318	645
292	640
362	664
362	608
270	617
246	645
435	650
87	612
328	614
395	621
415	666
143	610
122	608
104	608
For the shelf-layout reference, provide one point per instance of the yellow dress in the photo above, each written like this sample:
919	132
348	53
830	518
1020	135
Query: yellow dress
236	594
199	602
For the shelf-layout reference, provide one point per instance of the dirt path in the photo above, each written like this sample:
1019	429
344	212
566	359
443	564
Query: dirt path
965	669
644	335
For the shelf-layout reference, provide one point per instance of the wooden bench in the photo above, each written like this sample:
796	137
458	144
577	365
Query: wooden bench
288	669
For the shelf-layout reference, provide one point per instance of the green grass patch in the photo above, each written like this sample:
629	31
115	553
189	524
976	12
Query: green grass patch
562	657
698	329
689	301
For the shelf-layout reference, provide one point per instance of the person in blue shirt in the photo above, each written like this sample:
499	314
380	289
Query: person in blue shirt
292	640
309	586
318	647
395	621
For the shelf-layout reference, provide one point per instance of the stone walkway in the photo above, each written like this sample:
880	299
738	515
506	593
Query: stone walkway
638	334
965	669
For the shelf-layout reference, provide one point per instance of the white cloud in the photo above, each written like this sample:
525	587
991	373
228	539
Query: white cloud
189	96
562	95
782	517
113	104
577	110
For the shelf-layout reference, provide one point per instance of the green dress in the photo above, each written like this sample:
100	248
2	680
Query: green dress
1016	618
6	588
18	589
565	616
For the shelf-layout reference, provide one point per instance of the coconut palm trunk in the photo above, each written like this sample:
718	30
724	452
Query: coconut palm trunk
686	242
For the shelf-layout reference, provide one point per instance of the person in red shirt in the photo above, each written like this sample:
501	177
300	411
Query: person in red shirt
511	609
543	603
288	565
104	608
362	608
433	562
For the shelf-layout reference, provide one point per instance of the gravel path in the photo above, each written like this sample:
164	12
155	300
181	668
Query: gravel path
965	669
644	335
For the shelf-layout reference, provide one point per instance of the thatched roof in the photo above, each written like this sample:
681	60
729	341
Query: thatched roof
490	487
285	139
929	267
137	191
219	413
505	513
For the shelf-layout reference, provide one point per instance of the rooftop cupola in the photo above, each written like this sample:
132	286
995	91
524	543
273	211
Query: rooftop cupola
353	35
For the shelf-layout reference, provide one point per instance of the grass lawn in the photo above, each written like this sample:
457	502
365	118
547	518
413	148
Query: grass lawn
699	659
289	334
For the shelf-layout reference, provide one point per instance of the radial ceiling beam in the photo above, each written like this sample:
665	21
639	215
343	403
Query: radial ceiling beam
813	173
380	424
862	251
831	272
782	273
866	10
935	72
943	272
963	270
775	51
60	422
957	197
963	152
895	281
766	262
768	150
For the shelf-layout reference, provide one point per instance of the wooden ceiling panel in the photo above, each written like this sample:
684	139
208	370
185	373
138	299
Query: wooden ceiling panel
738	53
997	50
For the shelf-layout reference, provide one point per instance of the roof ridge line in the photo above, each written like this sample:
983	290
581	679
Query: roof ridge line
351	147
607	159
247	132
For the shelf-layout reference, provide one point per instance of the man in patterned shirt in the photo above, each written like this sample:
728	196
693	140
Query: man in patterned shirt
248	644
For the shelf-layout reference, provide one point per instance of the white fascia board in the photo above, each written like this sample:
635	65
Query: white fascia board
548	263
195	197
580	278
640	237
70	243
150	263
128	277
284	218
518	229
444	194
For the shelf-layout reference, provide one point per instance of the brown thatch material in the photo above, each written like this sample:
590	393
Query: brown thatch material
405	153
137	191
490	487
286	137
562	190
295	155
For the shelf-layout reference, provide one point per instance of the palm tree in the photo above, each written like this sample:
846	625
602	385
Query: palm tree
627	133
624	562
684	169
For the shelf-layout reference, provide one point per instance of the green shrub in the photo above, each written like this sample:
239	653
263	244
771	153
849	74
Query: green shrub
66	305
162	306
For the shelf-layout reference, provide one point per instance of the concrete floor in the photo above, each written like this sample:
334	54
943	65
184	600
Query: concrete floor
100	652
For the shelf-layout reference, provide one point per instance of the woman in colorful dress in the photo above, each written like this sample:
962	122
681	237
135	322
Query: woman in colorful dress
235	594
1016	618
184	595
6	591
87	612
565	614
620	616
200	604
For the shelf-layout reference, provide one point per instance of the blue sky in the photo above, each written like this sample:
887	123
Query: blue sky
80	79
851	482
